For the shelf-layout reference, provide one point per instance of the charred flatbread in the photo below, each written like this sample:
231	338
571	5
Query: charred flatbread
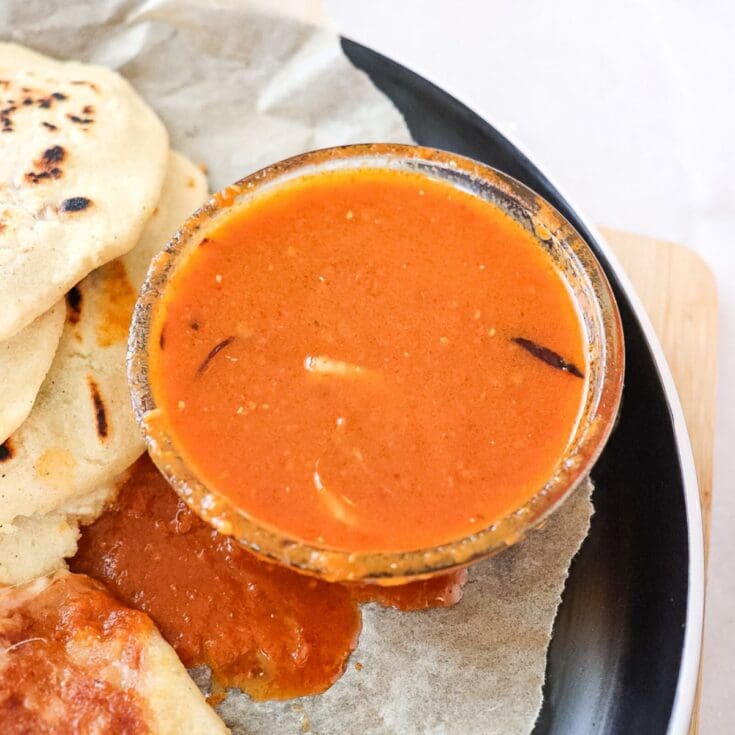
82	161
81	434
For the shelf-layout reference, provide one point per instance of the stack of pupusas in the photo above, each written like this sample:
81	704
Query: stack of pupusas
89	192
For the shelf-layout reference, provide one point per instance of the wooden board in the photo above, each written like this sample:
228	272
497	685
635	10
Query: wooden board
680	295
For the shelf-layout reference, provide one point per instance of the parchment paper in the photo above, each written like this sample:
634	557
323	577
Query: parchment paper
239	88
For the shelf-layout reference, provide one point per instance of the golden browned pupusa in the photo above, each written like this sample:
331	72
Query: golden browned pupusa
70	660
371	361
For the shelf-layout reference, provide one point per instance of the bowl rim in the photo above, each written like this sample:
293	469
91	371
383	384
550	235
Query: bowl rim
542	220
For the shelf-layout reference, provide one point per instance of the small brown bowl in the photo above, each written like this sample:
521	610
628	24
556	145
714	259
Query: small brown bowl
573	259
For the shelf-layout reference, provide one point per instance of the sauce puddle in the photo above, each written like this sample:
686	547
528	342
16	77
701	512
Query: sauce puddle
259	627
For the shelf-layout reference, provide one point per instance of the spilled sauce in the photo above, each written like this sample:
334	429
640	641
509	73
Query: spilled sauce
265	629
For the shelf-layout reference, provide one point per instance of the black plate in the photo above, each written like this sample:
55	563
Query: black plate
617	649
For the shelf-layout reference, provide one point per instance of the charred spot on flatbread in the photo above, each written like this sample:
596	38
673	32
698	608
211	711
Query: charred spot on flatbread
33	177
6	118
73	304
46	165
55	154
80	120
6	450
100	413
75	204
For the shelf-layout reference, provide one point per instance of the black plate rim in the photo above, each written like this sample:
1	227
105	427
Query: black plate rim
681	712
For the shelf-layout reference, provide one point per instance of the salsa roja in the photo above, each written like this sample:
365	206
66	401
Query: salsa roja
369	361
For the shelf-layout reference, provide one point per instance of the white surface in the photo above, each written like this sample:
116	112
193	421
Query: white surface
630	106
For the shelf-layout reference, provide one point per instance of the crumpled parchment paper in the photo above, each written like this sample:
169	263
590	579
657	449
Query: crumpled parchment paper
239	88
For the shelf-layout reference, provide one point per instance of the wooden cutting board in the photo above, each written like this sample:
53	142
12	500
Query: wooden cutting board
680	295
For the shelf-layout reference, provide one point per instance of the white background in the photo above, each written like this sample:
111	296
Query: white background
631	108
